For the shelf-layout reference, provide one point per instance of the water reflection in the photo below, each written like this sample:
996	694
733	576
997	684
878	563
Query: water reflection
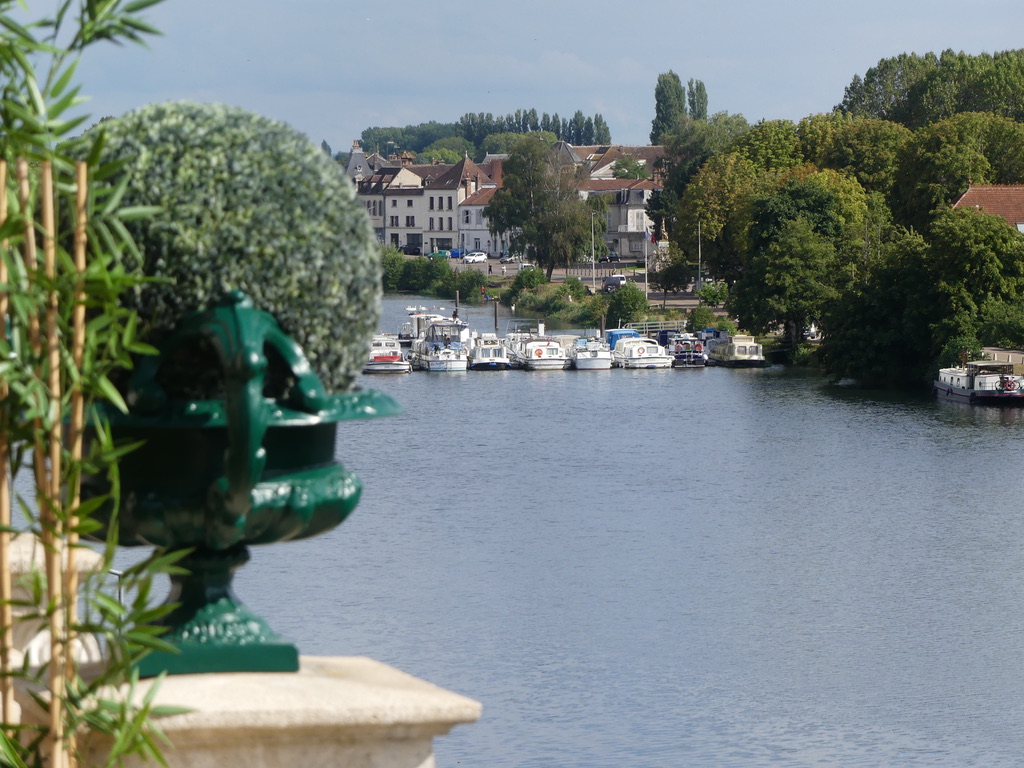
656	568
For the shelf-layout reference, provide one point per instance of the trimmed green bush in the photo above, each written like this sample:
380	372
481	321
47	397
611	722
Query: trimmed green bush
627	305
249	204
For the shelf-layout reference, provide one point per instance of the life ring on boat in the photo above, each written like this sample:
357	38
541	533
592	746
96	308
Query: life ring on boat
539	352
679	347
698	347
1011	384
639	350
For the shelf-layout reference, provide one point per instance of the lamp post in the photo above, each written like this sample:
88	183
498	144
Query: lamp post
593	262
699	286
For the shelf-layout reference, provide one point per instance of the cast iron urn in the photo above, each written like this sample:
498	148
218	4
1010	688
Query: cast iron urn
214	474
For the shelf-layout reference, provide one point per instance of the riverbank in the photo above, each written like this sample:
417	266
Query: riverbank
592	278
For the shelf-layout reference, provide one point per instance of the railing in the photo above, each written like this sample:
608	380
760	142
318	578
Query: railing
653	326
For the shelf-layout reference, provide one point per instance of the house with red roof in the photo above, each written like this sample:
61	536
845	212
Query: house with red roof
1003	200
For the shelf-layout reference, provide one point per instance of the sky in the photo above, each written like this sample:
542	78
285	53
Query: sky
330	68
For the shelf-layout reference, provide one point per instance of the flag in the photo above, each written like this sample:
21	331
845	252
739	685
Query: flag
650	235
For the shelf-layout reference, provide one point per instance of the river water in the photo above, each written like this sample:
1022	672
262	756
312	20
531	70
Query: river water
678	568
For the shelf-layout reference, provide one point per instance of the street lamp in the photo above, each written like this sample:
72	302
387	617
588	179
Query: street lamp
593	263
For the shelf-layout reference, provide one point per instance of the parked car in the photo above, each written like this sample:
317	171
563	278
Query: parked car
613	283
440	255
506	258
457	253
612	256
411	250
474	257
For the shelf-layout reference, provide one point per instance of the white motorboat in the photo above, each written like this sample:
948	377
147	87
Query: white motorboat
487	353
640	353
416	325
982	382
536	352
386	355
738	351
442	347
590	354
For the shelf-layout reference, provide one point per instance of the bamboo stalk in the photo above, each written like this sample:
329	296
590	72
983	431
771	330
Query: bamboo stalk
6	593
76	428
54	550
31	263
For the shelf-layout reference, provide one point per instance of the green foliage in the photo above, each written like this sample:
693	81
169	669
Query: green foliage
675	273
504	143
787	282
1001	324
438	155
943	159
669	105
701	317
713	294
691	142
38	60
528	278
697	99
393	263
574	288
771	145
629	167
958	350
248	204
539	208
628	304
917	90
423	275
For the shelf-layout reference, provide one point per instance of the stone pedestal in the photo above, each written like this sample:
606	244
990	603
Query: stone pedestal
341	712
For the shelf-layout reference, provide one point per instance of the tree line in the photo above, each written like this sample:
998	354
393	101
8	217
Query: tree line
477	133
845	219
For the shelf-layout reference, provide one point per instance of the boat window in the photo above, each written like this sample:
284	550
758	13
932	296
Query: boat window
755	350
741	350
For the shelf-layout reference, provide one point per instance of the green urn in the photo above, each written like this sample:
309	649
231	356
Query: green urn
212	475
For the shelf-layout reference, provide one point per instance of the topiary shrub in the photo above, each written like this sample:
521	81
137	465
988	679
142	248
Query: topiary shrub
248	204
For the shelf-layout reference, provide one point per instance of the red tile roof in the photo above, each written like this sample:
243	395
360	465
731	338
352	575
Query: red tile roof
1006	201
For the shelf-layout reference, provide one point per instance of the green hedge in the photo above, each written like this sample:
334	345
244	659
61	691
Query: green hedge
250	204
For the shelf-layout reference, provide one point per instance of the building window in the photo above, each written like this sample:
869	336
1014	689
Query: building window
408	203
394	203
449	203
431	203
431	222
450	223
466	216
410	221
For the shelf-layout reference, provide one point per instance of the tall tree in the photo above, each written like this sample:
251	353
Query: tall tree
669	105
539	208
697	98
602	134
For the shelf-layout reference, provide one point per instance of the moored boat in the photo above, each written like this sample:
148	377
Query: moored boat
386	355
590	354
487	353
442	347
640	353
981	381
687	350
536	352
737	351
